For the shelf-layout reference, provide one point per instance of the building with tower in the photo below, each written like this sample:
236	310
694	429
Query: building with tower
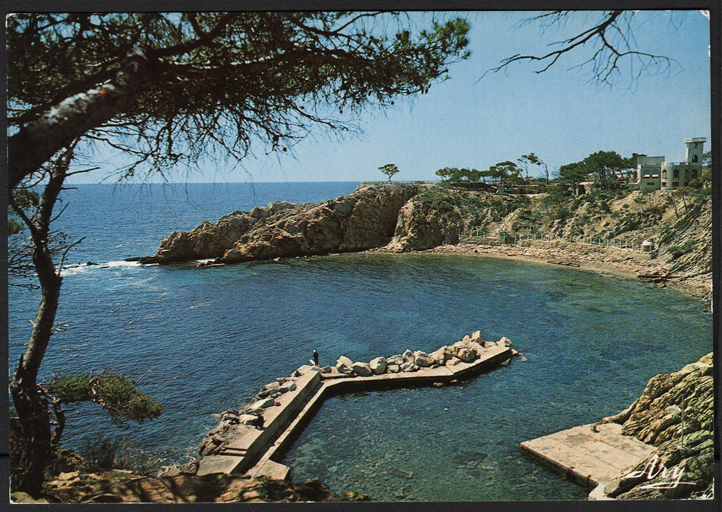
653	173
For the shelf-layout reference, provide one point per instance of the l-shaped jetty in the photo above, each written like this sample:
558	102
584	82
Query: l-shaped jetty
253	440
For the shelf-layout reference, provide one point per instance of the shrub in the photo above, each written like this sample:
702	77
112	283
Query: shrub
99	454
677	251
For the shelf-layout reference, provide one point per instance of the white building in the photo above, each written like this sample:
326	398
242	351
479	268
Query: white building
653	173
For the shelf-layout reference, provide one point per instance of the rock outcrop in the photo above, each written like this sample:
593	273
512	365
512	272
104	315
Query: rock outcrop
421	225
212	240
125	487
363	220
674	413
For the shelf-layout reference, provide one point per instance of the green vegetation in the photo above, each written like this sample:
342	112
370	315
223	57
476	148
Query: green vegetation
676	251
113	391
105	454
389	170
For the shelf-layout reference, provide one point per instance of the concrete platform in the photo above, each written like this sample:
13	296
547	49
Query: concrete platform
586	457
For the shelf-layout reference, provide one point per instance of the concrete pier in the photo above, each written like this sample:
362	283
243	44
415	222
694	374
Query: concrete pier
257	452
589	455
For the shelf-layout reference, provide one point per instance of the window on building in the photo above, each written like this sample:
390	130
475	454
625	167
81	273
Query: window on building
676	173
664	173
694	173
664	183
695	159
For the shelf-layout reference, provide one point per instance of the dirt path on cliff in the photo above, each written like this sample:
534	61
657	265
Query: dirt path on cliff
619	263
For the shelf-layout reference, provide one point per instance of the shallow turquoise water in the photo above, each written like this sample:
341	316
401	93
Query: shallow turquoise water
204	340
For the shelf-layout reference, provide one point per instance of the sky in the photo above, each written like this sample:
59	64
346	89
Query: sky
476	119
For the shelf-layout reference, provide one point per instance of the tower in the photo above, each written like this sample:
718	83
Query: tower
695	150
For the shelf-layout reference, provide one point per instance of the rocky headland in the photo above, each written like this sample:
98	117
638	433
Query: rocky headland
600	232
362	220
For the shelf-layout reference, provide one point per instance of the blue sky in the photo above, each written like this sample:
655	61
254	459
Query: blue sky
476	120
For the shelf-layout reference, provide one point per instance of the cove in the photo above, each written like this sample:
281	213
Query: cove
586	339
206	340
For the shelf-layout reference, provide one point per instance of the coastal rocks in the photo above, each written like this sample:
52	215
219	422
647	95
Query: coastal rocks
212	240
675	413
362	369
422	225
363	220
343	365
183	488
378	365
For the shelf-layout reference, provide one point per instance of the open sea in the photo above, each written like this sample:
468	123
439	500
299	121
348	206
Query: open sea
205	340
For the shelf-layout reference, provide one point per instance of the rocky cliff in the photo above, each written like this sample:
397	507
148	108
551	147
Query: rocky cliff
676	414
362	220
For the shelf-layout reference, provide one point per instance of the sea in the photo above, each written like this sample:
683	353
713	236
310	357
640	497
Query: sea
203	340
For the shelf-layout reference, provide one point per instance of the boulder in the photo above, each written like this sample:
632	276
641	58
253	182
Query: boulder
343	365
269	389
442	354
476	336
409	366
422	359
394	368
287	386
505	341
466	354
248	419
395	359
453	361
477	348
378	365
260	405
407	356
362	369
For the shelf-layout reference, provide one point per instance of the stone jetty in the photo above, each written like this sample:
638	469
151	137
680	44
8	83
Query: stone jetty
253	439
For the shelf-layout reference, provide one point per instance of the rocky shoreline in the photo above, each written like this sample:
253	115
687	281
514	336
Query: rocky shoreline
675	413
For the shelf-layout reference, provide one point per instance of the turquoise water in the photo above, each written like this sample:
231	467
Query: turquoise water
204	340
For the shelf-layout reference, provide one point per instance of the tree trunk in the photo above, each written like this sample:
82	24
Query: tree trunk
31	407
37	142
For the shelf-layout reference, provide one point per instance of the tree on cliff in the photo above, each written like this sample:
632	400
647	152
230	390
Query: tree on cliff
532	159
167	89
606	167
389	170
573	174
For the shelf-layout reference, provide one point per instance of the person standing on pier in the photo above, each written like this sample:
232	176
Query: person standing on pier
315	357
